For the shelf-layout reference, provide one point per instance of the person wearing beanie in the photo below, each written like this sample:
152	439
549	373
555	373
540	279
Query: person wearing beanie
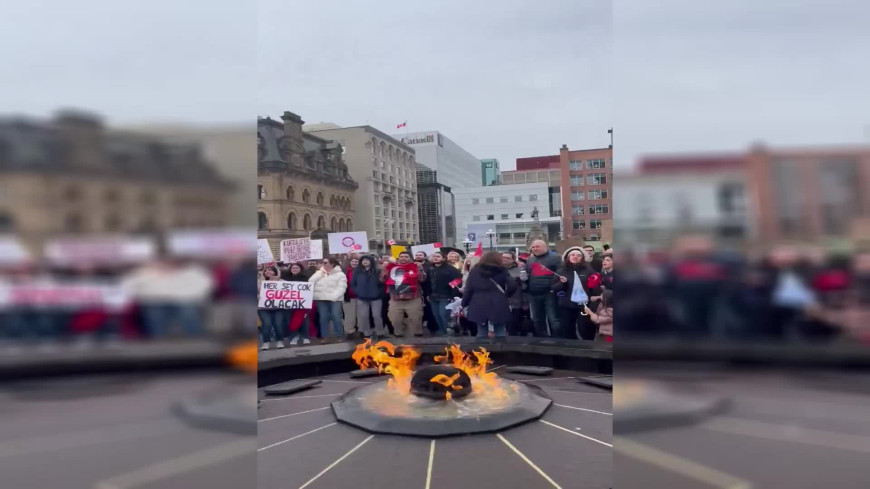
570	317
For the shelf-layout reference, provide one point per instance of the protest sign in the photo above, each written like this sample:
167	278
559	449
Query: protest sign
281	294
295	250
316	249
426	248
340	243
396	249
99	250
215	243
12	252
64	295
264	253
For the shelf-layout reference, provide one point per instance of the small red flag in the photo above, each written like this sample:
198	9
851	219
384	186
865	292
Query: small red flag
455	283
539	270
437	245
391	242
593	281
356	247
479	250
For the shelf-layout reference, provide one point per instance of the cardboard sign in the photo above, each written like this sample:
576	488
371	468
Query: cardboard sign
426	248
396	249
280	294
264	253
64	295
316	249
101	250
295	250
217	243
343	243
12	252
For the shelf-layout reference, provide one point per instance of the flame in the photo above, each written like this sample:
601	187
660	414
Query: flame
446	381
475	366
243	357
383	356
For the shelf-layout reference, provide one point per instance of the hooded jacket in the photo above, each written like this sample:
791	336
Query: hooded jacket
329	286
366	284
563	290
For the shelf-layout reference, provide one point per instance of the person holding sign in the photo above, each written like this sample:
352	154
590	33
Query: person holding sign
329	286
273	321
569	284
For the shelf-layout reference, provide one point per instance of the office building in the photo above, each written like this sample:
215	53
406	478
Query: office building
386	202
545	173
304	188
507	210
490	174
437	210
587	191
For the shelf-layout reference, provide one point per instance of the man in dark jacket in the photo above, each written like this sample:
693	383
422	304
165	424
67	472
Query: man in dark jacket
444	281
366	285
519	301
538	274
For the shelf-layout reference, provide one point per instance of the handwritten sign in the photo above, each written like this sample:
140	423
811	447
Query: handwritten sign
426	248
295	250
264	253
64	295
281	294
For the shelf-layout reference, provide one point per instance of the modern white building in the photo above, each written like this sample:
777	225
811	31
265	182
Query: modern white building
455	167
507	211
386	170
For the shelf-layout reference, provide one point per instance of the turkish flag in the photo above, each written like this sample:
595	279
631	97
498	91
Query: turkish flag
437	245
593	281
391	242
539	270
455	283
479	250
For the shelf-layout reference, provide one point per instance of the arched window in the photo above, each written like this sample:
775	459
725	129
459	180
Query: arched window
113	223
390	155
321	222
341	225
306	222
261	192
291	221
332	224
348	225
262	222
306	196
331	201
7	222
383	148
319	198
291	194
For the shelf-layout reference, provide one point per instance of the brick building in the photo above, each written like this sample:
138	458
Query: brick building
587	191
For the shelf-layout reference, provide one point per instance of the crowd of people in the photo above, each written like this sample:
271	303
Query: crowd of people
484	294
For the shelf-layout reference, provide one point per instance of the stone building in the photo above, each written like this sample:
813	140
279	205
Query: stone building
72	175
303	185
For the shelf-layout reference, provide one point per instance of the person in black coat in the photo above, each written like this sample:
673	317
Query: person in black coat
486	294
440	275
570	317
366	286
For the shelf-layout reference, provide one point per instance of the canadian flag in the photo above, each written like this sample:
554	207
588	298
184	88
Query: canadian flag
399	126
391	242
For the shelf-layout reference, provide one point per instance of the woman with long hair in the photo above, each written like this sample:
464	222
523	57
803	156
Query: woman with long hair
300	319
350	299
486	295
571	321
603	316
329	286
272	320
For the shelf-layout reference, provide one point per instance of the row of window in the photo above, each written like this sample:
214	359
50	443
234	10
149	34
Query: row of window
593	224
339	202
338	225
502	200
590	164
579	210
395	170
75	194
383	150
591	179
600	194
504	217
407	184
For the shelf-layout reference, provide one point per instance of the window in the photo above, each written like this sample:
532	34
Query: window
290	193
261	192
490	217
374	173
578	225
504	236
599	209
576	165
291	221
504	217
518	198
595	164
578	210
306	196
533	198
393	180
519	235
262	222
576	181
519	215
319	198
490	200
596	179
578	195
475	218
597	194
595	224
503	199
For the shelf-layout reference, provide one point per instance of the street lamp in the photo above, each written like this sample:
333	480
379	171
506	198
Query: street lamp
467	242
490	234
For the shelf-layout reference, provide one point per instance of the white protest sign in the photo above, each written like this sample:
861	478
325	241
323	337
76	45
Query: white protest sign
217	243
100	250
295	250
356	242
316	249
64	295
425	248
281	294
264	253
12	252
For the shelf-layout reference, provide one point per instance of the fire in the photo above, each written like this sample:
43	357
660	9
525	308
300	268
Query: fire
383	356
244	357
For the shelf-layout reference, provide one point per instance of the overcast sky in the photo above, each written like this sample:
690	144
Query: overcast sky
503	79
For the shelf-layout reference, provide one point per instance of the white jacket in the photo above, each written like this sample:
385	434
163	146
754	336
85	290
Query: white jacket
329	286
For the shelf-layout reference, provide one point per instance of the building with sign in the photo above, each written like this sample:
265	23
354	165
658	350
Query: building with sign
507	210
490	174
72	175
304	188
386	201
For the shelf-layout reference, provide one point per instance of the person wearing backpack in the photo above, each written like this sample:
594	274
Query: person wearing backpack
571	316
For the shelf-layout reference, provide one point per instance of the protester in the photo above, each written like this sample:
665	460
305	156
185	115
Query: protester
350	302
272	321
518	300
593	261
571	320
429	321
603	316
366	287
444	281
299	318
538	275
607	272
403	281
330	284
454	259
486	295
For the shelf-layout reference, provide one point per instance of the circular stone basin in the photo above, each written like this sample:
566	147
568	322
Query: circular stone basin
378	408
422	385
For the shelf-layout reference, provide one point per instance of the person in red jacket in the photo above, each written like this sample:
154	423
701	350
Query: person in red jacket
403	285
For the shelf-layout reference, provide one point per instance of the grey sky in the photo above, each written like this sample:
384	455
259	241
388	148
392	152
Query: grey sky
502	79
